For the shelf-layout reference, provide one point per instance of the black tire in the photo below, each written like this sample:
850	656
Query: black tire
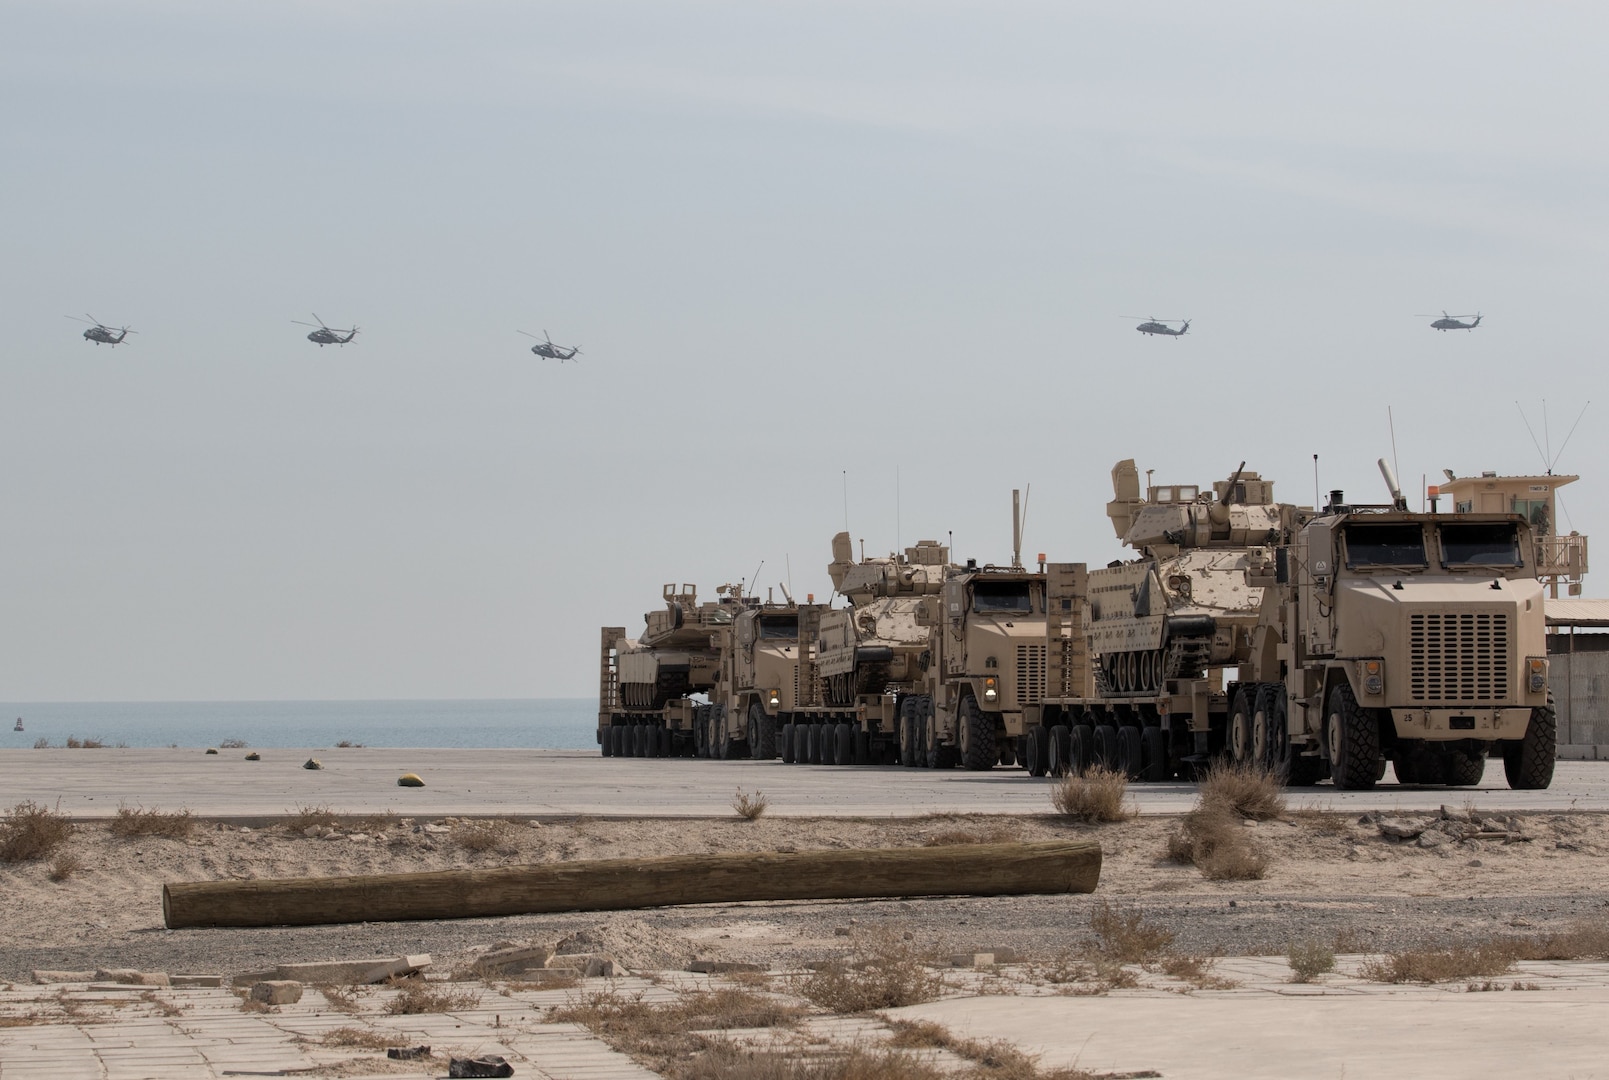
815	739
976	729
1270	706
843	743
639	740
1407	768
1239	746
1129	753
801	744
1528	762
1103	753
1460	768
1083	747
907	733
1008	754
787	744
664	741
1060	739
863	747
606	741
934	756
762	733
1306	771
1153	755
622	741
1033	755
1353	738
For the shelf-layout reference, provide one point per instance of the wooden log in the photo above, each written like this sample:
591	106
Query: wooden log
1056	866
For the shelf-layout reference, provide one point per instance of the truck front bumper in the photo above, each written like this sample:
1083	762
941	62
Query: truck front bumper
1448	724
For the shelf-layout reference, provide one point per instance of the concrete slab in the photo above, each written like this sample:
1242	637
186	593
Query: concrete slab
567	783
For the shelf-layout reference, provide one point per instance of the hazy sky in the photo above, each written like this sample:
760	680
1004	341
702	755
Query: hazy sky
795	242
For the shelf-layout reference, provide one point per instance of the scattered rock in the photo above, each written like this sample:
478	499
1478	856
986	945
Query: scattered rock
722	967
254	756
840	931
312	763
1397	829
131	977
212	750
1433	838
409	779
277	992
46	975
515	958
973	960
195	980
488	1065
340	972
407	1053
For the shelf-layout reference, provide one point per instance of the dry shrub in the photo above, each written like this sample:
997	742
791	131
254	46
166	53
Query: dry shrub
1244	789
749	807
362	1038
1585	939
341	998
418	996
482	834
1440	965
1212	838
1098	795
1324	821
160	1006
666	1032
30	832
65	865
348	744
1124	937
75	743
308	817
1309	960
995	1059
1000	833
856	1062
41	743
1195	970
884	972
130	823
376	823
232	744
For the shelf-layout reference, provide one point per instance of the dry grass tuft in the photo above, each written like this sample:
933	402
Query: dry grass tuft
995	1059
1324	821
1585	939
999	833
362	1038
376	823
1212	838
1441	965
65	865
856	1062
1195	970
310	817
130	823
232	744
1099	795
30	832
348	744
1123	936
749	807
1309	960
666	1033
1247	790
341	998
417	996
160	1006
482	834
884	972
75	743
41	743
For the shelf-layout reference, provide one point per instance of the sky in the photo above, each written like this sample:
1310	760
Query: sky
876	262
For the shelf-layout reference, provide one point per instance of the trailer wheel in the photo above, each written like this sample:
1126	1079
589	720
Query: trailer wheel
1270	711
606	741
843	745
664	742
1061	750
801	744
1129	751
1241	738
1082	750
1353	738
977	736
1032	759
1528	762
1153	755
1103	750
863	746
1460	768
785	743
762	733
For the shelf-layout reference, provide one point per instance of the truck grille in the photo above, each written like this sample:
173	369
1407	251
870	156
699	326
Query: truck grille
1030	674
1459	657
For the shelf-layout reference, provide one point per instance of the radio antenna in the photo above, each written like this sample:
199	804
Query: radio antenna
1315	482
846	500
1532	433
1396	466
1568	437
896	510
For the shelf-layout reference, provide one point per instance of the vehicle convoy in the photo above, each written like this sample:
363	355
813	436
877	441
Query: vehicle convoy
1381	635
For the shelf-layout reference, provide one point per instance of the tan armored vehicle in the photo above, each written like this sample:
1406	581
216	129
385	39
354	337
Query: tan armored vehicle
646	683
1184	604
759	683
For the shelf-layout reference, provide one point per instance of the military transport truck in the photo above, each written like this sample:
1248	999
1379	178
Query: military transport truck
647	684
1382	635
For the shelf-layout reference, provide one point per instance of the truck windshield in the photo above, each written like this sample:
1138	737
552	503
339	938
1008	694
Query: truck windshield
1479	544
779	626
1385	545
990	596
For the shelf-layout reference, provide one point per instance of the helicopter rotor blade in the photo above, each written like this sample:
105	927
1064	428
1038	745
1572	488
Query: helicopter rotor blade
527	334
299	322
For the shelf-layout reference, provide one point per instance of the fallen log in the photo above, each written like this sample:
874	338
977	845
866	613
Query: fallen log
1056	866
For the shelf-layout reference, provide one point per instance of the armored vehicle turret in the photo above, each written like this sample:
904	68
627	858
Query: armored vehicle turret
876	644
1183	605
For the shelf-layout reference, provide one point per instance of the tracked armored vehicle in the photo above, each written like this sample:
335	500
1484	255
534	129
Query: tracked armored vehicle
1183	605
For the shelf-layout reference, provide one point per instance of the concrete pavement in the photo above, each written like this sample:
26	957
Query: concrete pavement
564	783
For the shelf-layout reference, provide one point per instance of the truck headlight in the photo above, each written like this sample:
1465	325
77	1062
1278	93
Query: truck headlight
1374	677
991	688
1537	674
776	698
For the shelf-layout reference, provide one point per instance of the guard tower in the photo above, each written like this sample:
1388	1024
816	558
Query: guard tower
1559	559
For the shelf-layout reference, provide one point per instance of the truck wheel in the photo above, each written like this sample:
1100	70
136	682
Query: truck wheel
1528	762
1153	755
1103	750
1241	739
1353	738
844	742
1128	751
787	744
863	746
934	756
907	733
1460	768
606	741
762	733
1032	759
801	744
1008	754
977	736
1268	712
1061	750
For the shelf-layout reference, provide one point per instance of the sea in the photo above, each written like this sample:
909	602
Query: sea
530	723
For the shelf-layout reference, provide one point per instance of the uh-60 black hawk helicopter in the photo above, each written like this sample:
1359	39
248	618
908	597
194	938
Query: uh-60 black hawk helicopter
1451	322
324	335
544	347
1160	326
101	334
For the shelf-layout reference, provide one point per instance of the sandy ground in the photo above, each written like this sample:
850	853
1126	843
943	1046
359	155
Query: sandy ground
1330	878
